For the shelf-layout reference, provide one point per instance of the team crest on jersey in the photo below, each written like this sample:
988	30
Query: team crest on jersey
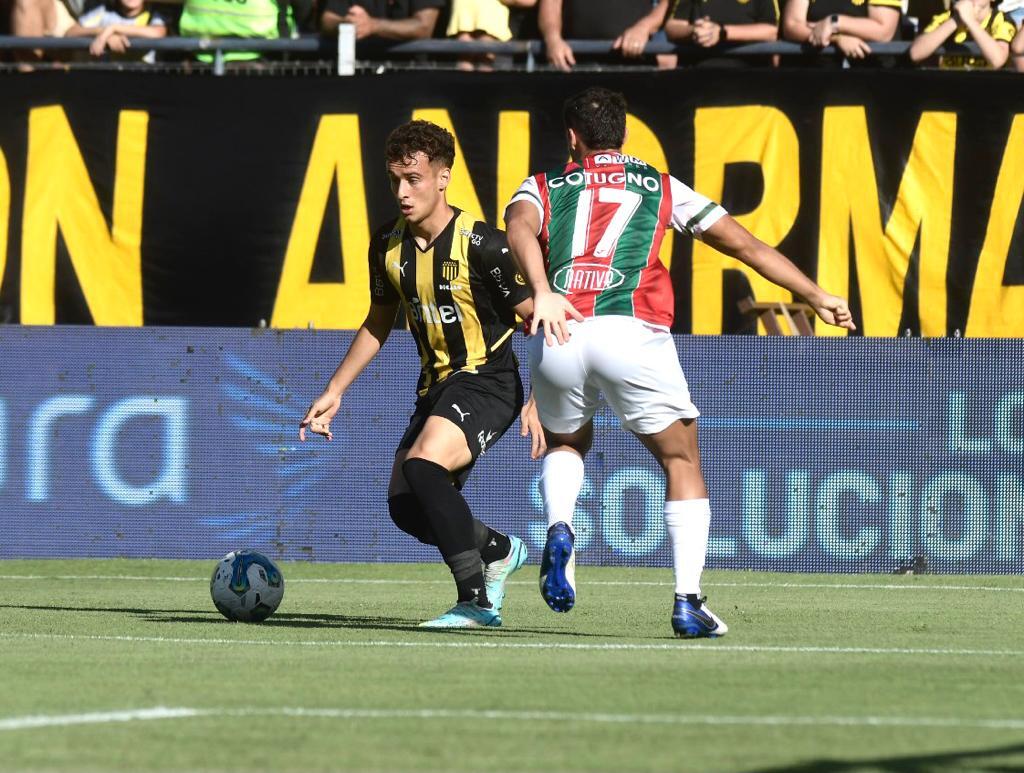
582	277
449	269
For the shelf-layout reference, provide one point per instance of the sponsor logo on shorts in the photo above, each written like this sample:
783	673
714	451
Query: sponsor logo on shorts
593	277
485	439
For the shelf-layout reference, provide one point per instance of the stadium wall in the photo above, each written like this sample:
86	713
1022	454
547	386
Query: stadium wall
821	455
138	198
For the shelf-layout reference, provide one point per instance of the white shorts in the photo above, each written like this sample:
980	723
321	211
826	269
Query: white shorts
632	363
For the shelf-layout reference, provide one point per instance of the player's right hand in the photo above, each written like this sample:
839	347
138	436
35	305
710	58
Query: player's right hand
318	417
560	54
835	311
550	310
530	426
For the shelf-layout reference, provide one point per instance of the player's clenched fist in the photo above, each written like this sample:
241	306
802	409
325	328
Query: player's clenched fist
835	311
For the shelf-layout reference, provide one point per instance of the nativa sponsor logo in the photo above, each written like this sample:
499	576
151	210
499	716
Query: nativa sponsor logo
651	184
587	276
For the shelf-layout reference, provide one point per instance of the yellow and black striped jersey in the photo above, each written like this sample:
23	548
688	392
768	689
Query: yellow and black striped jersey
996	24
458	293
820	9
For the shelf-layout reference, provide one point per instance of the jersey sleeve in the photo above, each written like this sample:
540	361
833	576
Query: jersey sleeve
381	290
1002	29
692	212
500	270
937	21
528	191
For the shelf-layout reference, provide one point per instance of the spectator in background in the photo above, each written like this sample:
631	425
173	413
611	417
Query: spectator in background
43	18
849	25
483	20
630	23
1017	50
709	26
1014	11
377	21
976	20
113	26
269	19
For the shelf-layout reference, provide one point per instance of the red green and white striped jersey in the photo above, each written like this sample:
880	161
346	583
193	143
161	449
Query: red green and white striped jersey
602	223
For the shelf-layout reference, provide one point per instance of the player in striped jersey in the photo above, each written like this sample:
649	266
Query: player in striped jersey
456	281
587	237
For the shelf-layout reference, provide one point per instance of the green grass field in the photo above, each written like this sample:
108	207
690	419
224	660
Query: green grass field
126	666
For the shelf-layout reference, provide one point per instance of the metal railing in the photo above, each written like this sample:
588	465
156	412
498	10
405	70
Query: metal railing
343	49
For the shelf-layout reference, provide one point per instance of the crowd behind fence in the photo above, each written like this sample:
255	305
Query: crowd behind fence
518	34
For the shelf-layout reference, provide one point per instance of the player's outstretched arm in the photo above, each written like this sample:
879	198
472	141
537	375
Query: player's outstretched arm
369	339
550	310
729	237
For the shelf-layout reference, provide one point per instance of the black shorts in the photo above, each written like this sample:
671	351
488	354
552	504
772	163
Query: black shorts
483	405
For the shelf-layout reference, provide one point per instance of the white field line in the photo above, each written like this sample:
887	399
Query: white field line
626	583
160	712
503	645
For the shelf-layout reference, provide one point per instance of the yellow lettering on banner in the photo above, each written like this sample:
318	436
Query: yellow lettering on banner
849	196
5	213
724	135
461	192
336	158
643	143
997	310
59	194
513	157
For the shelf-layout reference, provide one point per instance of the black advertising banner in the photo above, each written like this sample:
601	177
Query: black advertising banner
151	199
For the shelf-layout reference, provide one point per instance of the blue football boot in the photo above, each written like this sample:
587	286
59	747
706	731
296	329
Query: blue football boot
558	569
691	619
496	573
465	614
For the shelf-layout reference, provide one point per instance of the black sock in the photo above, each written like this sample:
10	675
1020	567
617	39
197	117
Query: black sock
493	545
452	524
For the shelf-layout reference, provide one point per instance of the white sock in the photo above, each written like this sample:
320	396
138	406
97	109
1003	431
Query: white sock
688	522
561	479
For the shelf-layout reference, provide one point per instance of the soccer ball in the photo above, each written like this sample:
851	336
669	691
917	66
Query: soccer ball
246	586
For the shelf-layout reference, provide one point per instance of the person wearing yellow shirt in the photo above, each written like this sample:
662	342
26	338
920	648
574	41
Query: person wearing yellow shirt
967	20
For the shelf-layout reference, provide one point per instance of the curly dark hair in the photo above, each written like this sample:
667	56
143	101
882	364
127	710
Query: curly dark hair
436	143
598	116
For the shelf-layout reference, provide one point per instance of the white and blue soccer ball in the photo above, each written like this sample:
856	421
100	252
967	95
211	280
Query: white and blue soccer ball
246	586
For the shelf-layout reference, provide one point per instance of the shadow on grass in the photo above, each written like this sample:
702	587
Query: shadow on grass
317	621
980	760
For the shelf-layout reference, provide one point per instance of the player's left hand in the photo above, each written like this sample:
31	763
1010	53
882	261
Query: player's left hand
821	33
318	417
707	33
853	48
835	311
359	18
529	422
632	42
